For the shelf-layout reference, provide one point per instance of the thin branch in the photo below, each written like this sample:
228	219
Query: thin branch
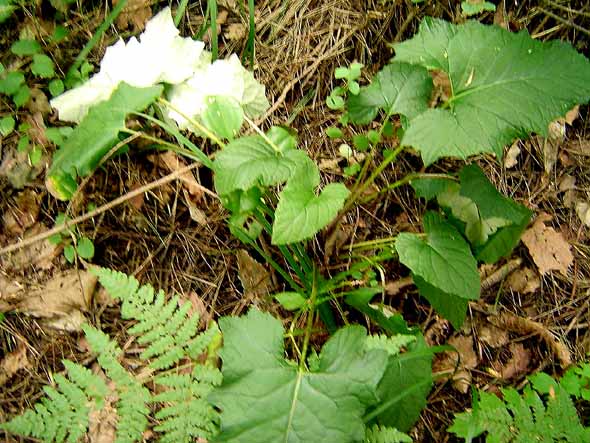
106	207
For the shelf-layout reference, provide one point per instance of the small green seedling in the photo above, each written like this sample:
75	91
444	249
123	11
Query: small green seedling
74	244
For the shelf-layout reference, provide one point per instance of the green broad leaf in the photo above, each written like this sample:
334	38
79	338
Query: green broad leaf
21	96
450	306
429	188
334	132
85	248
360	299
59	34
441	257
407	382
23	144
96	134
6	10
505	86
473	7
56	87
250	161
35	155
300	212
6	125
11	83
361	142
399	88
25	47
70	253
502	219
335	102
282	137
223	116
43	66
265	398
291	301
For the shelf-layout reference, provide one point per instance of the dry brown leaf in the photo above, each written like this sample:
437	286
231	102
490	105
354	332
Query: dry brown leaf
102	423
525	281
39	104
500	17
511	159
572	115
60	301
196	213
329	164
394	287
235	31
15	166
23	214
174	163
492	335
40	255
525	326
567	182
579	147
550	251
583	211
14	362
466	360
255	279
516	365
135	14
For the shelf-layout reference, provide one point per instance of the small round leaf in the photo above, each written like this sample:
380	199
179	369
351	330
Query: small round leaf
223	116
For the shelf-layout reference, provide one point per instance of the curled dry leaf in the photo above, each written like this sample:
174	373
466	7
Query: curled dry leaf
525	281
23	214
511	159
463	362
235	32
550	251
13	362
516	366
526	326
492	335
173	163
135	14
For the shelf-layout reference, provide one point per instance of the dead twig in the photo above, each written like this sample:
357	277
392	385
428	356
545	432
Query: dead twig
104	208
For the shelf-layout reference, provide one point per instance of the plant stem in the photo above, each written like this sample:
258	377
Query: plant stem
309	325
212	6
108	21
193	122
372	243
180	12
243	237
251	34
407	179
287	255
201	156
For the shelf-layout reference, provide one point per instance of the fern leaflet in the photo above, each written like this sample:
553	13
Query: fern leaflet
383	434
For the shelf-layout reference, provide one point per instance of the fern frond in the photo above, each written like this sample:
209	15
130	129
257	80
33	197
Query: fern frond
522	418
167	328
63	415
383	434
392	345
133	397
187	414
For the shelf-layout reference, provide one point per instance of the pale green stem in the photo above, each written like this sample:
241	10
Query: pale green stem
193	122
